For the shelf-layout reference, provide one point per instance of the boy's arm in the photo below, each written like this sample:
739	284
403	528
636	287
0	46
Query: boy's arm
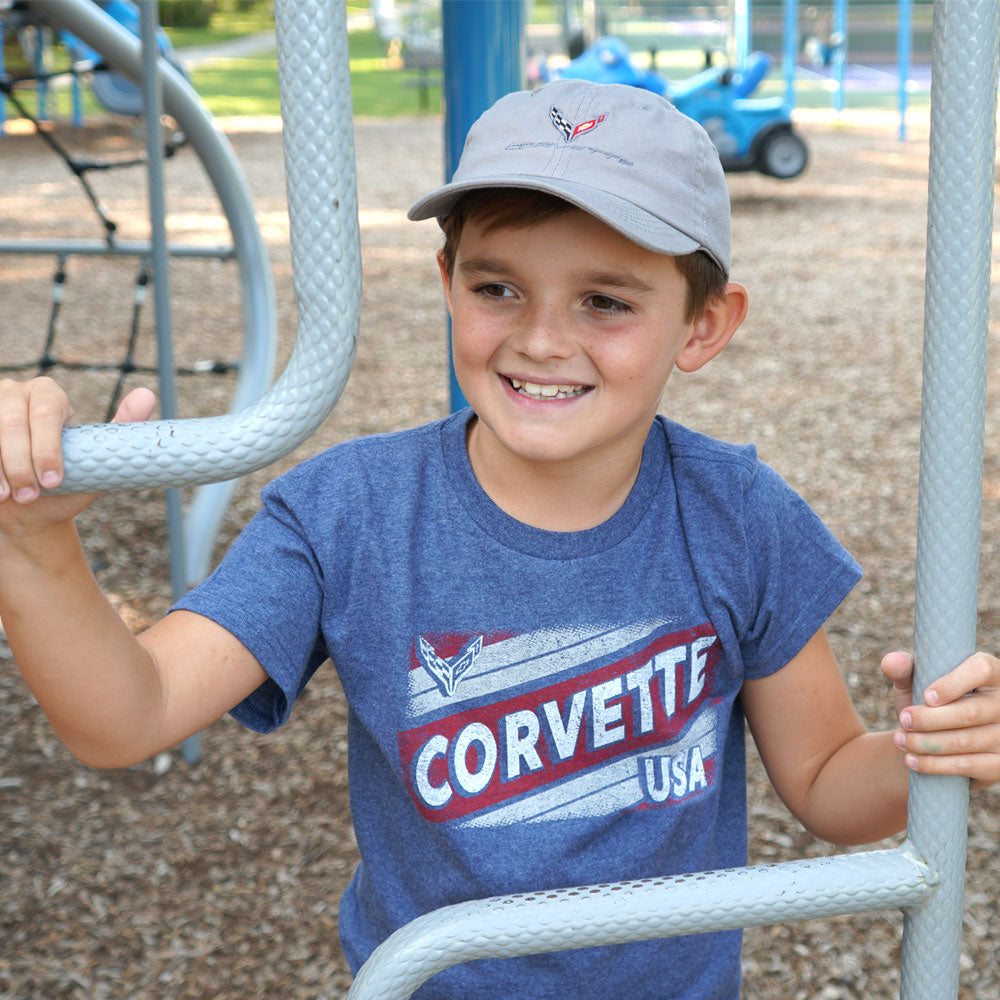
845	784
113	698
841	782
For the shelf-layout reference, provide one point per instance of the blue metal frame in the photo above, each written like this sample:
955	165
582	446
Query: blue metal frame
904	45
483	60
791	48
840	52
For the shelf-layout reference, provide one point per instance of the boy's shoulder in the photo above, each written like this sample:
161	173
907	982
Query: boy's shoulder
383	466
688	447
729	479
384	454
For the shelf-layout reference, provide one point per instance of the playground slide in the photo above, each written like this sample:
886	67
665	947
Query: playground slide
115	91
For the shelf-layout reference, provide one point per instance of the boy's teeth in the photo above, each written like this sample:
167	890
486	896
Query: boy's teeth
537	391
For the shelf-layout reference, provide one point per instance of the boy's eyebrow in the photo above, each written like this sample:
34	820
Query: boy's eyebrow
475	266
615	279
482	265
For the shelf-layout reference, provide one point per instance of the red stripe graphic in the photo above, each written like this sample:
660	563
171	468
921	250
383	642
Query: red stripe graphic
483	756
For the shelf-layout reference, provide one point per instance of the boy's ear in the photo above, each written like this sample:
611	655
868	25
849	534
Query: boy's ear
445	279
713	329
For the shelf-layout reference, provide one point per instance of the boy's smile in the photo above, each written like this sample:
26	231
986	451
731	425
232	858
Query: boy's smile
564	334
547	392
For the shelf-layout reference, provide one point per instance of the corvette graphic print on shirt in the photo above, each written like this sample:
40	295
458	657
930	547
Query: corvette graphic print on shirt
560	723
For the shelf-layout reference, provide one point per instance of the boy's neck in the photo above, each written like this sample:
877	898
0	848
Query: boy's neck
554	496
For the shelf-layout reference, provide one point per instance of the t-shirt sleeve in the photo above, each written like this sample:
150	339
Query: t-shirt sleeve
769	570
267	591
797	573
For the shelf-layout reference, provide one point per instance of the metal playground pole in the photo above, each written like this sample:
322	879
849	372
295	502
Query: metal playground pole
959	243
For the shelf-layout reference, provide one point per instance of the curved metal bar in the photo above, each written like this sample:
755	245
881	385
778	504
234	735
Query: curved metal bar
319	161
531	923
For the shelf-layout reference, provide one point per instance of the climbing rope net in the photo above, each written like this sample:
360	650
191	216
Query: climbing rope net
50	356
131	359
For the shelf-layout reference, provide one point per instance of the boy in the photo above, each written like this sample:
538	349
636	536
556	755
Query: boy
551	612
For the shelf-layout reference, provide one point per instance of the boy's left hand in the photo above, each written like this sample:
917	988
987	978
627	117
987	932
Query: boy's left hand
957	729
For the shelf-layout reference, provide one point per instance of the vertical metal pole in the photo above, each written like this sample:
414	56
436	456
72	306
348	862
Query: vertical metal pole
741	31
839	39
42	86
77	100
965	44
152	104
483	60
3	99
791	48
567	18
904	43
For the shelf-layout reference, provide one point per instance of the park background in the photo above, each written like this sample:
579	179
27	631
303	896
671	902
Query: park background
221	880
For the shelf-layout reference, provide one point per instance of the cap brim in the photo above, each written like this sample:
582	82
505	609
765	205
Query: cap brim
632	222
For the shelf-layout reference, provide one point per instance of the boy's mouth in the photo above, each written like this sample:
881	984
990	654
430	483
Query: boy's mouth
533	390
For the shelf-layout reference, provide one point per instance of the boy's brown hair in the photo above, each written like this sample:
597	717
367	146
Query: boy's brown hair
512	208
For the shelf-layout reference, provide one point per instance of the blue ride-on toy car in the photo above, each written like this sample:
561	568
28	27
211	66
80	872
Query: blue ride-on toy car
750	133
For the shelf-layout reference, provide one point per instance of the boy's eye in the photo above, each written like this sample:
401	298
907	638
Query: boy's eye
607	304
494	290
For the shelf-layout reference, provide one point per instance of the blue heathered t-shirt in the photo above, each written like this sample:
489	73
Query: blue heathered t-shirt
530	709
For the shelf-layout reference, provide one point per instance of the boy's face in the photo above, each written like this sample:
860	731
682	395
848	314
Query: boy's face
564	334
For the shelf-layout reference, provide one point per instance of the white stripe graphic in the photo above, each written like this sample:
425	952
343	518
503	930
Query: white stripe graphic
603	790
535	656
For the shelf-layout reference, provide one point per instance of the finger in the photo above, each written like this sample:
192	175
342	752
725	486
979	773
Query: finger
12	441
950	742
48	413
15	443
982	769
977	671
971	711
137	405
898	668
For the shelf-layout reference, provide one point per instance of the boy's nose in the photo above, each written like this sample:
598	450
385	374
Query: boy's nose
543	333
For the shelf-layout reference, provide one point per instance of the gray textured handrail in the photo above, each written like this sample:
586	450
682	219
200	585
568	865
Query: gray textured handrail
319	160
530	923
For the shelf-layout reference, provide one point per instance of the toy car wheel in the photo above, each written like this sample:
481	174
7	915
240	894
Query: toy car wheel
783	154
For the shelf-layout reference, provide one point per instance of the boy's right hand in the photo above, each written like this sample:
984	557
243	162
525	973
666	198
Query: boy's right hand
114	698
32	417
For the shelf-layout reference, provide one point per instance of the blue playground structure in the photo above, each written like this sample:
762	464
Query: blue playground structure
114	91
750	133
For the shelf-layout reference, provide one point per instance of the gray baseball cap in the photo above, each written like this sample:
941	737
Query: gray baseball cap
625	155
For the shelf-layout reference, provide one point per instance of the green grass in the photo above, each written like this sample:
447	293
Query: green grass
380	90
227	23
545	12
244	86
249	85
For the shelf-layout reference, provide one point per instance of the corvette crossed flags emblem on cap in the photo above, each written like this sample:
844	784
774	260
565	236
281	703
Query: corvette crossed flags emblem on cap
568	129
